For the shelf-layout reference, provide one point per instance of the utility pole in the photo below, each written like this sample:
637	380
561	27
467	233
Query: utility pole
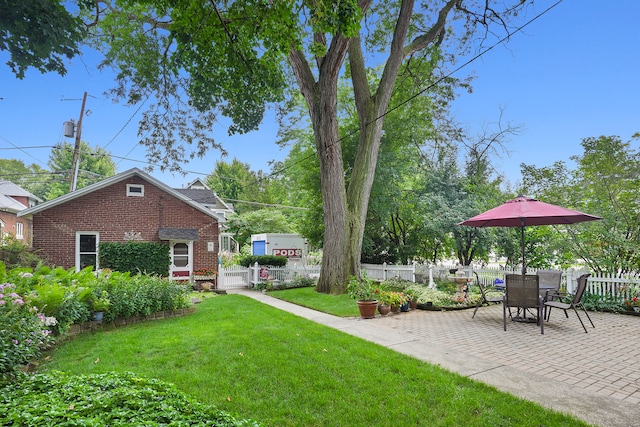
75	165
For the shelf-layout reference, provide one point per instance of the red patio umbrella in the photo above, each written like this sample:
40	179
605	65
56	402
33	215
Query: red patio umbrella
522	211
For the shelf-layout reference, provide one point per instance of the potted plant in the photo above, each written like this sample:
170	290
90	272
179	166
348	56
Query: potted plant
100	305
404	303
384	302
364	292
396	300
412	296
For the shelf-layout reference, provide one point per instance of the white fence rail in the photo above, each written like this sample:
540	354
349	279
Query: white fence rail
242	277
619	288
234	277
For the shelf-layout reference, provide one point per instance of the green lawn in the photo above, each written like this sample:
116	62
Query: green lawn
337	305
262	363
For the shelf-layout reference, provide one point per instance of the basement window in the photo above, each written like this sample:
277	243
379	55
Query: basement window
135	190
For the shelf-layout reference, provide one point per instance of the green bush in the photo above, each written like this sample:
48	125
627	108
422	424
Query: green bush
14	253
57	294
140	295
266	260
606	302
135	257
23	331
70	297
111	399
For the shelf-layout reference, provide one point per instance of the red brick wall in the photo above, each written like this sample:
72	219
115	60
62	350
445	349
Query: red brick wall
10	221
111	213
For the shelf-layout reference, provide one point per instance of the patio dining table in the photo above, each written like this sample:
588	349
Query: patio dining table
543	289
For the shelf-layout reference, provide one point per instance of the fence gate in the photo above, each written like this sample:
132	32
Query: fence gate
234	277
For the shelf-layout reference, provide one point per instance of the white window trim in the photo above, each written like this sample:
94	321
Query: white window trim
78	233
135	193
19	230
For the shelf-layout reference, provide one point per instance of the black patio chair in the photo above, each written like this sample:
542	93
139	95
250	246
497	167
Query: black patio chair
551	280
484	297
522	293
565	302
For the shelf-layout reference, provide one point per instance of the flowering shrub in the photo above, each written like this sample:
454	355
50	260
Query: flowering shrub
396	298
632	302
23	331
71	296
632	296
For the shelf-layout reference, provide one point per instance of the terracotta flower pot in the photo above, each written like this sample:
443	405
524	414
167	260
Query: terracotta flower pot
384	309
367	309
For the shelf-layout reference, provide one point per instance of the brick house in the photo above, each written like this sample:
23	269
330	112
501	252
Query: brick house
13	200
129	206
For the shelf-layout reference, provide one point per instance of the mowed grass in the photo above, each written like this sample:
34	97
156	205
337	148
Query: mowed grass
262	363
338	305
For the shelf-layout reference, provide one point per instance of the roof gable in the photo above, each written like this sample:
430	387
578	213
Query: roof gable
113	180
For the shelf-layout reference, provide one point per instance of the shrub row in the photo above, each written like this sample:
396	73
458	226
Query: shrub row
71	297
267	260
37	305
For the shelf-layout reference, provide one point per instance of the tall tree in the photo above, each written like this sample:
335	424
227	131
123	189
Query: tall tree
32	178
256	222
230	56
606	183
237	183
95	164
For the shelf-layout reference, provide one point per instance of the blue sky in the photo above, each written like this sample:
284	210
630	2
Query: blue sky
573	73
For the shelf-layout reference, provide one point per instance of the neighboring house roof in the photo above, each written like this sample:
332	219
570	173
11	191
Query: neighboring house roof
198	183
207	197
113	180
9	204
9	190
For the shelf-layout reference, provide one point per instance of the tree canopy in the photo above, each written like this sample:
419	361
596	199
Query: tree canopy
40	34
606	183
195	60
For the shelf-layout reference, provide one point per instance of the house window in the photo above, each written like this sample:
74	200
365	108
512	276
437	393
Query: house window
87	250
19	230
136	190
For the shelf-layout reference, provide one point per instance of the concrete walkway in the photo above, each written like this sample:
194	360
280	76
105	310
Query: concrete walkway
594	376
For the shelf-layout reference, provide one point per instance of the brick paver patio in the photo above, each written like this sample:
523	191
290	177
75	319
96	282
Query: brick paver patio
606	360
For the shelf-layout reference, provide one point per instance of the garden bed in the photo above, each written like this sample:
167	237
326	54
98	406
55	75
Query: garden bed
444	308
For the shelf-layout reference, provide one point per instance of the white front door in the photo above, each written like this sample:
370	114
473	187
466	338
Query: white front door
181	266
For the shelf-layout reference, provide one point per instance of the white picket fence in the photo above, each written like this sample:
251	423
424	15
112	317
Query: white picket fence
242	277
620	288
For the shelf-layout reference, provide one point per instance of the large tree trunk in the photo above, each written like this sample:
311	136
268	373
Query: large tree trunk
322	100
371	109
345	212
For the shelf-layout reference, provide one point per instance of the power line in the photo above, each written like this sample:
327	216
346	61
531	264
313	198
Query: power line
26	147
266	204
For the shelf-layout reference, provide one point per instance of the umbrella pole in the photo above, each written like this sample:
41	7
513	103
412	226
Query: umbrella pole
524	267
